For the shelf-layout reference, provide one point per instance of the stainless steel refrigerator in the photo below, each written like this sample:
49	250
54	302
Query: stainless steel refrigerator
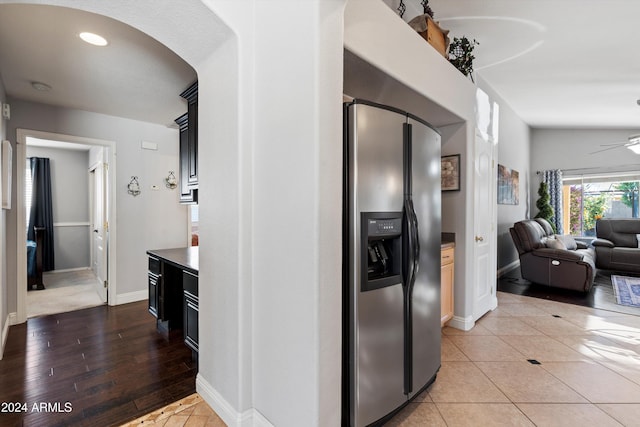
391	268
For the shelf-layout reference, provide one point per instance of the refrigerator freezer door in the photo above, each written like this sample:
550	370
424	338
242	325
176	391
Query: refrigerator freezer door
426	290
374	153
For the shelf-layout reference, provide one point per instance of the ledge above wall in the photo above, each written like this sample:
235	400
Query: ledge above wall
379	37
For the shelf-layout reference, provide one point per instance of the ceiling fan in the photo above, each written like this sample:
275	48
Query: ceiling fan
632	144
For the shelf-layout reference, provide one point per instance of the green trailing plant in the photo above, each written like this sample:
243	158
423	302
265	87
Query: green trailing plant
545	210
461	55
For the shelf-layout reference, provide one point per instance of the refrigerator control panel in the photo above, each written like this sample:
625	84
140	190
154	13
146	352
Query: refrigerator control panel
384	227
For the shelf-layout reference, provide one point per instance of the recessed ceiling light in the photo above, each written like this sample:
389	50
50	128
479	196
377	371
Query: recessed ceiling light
93	39
42	87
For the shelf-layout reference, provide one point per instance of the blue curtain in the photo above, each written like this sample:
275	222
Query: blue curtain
41	214
553	179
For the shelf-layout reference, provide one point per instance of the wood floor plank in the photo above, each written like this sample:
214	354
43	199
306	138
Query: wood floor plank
110	363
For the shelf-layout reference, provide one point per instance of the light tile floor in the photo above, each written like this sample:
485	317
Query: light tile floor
589	372
192	411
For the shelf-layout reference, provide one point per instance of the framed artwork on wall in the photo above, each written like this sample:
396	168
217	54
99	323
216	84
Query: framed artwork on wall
7	152
450	172
508	186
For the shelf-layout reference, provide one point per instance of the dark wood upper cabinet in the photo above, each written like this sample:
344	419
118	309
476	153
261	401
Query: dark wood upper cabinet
188	124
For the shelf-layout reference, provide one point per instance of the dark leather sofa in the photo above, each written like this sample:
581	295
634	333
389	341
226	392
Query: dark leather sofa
616	244
547	259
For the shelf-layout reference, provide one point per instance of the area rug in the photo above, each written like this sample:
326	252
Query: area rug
626	290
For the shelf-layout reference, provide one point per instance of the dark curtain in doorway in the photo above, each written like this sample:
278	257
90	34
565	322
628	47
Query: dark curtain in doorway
41	214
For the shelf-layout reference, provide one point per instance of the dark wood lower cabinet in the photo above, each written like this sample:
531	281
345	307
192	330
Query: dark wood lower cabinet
173	292
154	285
190	310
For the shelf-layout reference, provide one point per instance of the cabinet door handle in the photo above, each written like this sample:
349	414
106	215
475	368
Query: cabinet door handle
479	239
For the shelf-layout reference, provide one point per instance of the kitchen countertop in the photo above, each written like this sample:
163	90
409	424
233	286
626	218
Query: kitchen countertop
448	240
186	258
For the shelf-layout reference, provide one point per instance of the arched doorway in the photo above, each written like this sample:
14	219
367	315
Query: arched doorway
16	298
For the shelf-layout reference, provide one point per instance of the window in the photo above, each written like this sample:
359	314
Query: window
587	199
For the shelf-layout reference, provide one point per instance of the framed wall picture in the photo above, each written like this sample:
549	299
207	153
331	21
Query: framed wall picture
508	186
6	174
450	172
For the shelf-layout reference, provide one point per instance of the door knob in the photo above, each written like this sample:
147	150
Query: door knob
479	239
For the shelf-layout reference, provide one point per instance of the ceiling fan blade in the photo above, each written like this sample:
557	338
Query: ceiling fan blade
614	143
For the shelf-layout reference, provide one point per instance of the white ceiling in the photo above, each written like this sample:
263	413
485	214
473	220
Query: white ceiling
134	76
557	63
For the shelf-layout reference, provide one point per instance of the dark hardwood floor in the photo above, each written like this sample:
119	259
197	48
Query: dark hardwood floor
101	366
601	295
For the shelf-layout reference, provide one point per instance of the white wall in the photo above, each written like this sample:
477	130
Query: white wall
274	347
4	310
150	221
569	149
455	217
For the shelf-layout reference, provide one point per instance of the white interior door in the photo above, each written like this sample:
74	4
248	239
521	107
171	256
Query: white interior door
484	249
99	228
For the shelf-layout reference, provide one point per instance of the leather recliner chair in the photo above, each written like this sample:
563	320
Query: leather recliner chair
552	260
617	246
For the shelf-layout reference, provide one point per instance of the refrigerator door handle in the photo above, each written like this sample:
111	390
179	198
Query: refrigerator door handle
409	260
416	244
409	270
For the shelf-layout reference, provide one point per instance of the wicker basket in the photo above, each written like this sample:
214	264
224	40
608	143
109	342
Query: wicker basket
432	33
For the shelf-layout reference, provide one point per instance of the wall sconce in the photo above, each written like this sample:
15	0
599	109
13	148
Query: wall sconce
171	181
134	186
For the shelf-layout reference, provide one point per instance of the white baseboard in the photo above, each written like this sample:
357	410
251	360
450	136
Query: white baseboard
132	297
67	270
462	323
231	417
507	268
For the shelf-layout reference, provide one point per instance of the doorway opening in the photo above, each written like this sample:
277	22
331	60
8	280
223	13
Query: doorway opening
82	171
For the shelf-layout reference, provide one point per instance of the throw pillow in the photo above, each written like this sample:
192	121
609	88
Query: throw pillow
555	243
569	242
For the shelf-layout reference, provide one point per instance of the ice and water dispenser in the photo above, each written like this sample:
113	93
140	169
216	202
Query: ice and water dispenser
381	249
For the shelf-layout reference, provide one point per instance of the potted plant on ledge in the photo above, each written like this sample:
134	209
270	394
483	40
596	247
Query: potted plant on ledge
461	55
